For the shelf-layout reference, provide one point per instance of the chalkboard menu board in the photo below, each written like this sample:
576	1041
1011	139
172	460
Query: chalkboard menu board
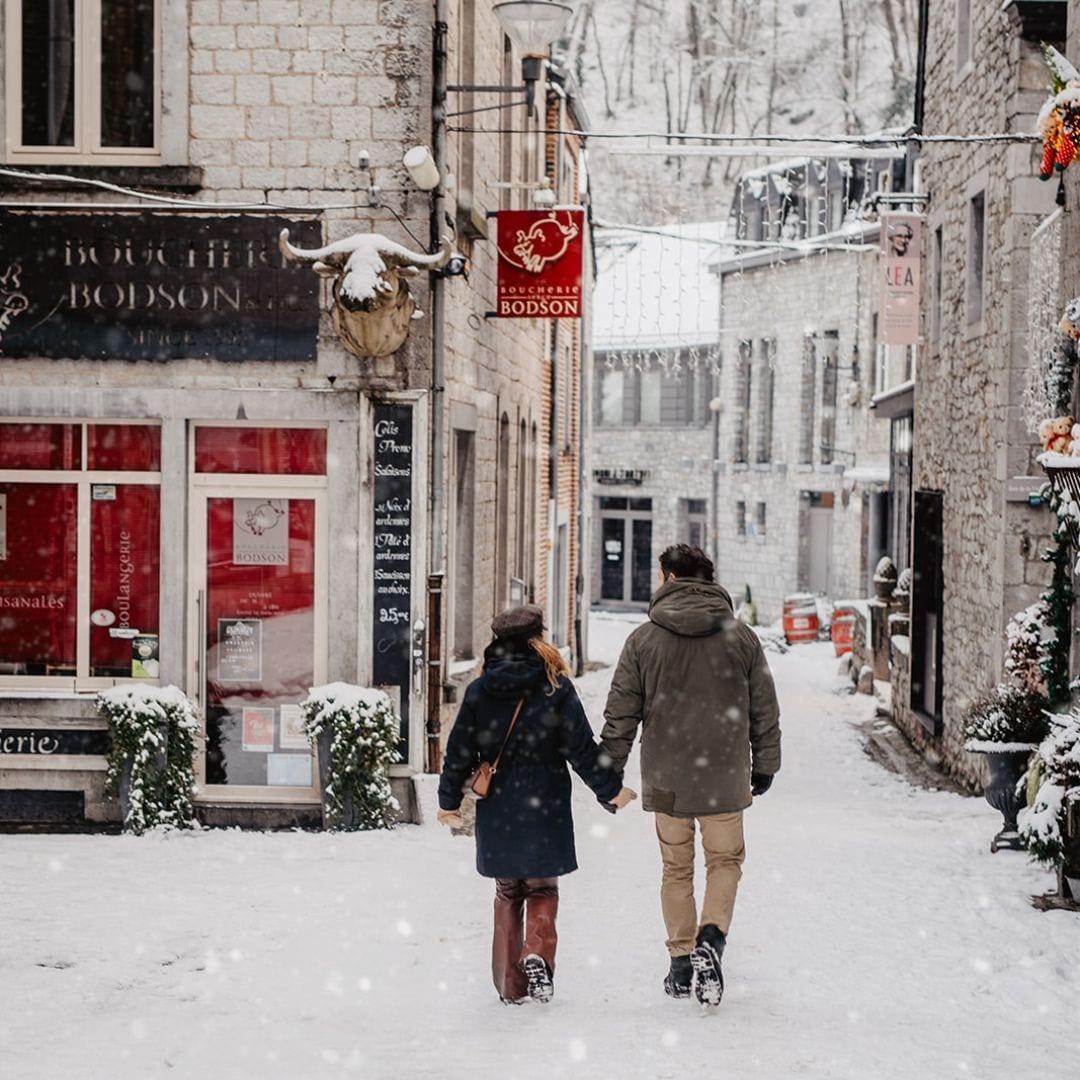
392	536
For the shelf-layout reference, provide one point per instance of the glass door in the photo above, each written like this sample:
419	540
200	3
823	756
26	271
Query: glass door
260	634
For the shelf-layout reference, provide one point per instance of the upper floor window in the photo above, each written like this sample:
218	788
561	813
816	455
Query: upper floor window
651	397
975	260
963	33
83	81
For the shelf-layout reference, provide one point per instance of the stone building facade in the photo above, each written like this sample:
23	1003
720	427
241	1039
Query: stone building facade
412	494
801	472
656	353
976	541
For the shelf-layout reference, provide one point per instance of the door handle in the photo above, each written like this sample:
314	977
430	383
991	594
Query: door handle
200	657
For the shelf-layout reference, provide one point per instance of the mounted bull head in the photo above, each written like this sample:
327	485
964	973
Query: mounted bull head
372	302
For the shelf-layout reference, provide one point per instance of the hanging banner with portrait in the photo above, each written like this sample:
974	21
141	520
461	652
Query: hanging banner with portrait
900	265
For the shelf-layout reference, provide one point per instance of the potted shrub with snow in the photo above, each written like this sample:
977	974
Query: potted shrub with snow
1006	725
1050	827
355	733
151	762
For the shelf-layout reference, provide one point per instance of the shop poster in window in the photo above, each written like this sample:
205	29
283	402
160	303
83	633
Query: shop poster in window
239	650
288	770
292	735
258	730
260	532
3	528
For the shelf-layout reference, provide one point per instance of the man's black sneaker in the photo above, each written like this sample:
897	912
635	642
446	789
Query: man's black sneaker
541	988
705	959
678	980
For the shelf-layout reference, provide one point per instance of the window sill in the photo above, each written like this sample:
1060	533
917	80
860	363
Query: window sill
179	178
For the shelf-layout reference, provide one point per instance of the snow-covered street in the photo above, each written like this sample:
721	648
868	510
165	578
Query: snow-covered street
875	936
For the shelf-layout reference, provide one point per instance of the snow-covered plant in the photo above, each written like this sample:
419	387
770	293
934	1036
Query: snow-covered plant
1057	772
1008	718
363	733
1030	638
152	731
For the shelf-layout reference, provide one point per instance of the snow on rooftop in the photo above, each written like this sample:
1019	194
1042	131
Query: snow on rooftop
654	288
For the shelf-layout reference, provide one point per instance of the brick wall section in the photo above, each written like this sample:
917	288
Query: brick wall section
833	291
969	434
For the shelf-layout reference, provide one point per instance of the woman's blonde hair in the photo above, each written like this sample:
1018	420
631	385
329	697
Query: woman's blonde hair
554	664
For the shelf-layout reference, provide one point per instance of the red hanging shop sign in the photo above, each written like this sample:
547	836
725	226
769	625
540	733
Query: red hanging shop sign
540	255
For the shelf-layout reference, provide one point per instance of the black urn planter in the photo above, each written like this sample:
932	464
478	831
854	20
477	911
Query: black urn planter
1004	771
161	759
348	819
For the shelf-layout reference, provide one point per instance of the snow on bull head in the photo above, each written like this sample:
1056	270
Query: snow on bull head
372	302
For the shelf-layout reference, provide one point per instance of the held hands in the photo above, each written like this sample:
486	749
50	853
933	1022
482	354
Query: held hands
451	818
623	799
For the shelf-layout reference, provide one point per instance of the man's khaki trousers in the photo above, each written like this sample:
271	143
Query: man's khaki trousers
722	841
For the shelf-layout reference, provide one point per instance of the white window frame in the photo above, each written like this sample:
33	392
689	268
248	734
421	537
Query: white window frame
83	479
205	486
87	149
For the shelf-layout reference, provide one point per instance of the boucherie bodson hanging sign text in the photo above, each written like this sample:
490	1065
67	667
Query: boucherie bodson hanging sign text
540	253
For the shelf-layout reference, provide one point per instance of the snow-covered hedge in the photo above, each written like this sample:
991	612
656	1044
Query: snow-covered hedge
152	755
362	731
1056	776
1008	718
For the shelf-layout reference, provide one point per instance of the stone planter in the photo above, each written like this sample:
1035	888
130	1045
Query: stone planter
1004	771
1069	868
348	818
162	757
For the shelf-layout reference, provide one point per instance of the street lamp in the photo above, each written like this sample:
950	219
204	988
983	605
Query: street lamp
532	25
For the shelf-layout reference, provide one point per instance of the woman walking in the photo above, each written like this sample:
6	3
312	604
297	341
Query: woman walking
523	715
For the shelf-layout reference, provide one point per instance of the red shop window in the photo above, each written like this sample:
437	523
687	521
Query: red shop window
37	578
125	574
280	451
123	447
40	446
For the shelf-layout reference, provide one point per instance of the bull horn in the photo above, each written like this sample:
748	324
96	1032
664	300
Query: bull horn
336	254
396	255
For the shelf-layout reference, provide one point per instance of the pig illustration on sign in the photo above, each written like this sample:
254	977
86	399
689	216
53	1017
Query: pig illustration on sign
543	242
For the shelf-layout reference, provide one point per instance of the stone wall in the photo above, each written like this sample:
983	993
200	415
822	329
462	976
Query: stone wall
970	436
784	302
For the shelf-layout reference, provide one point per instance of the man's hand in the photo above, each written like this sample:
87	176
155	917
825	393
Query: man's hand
452	818
760	783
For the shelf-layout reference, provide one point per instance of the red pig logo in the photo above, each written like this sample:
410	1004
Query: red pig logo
545	241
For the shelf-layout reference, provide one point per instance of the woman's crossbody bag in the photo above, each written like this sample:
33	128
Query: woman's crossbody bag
480	781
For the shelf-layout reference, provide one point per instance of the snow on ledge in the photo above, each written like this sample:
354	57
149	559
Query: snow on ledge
1049	460
986	746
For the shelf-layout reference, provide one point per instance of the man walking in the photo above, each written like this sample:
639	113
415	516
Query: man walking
697	682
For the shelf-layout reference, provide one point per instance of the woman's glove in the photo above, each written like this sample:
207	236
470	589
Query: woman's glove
624	798
451	818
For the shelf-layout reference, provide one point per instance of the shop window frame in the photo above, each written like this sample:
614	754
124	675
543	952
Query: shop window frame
203	486
83	479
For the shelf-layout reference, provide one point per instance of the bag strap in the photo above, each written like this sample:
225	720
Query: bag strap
506	737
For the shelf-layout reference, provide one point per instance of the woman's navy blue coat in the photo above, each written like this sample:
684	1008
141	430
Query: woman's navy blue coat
524	827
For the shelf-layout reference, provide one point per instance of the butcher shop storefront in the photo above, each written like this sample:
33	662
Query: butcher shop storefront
191	494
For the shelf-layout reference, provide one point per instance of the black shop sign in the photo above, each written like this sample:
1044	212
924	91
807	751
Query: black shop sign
155	286
392	543
45	742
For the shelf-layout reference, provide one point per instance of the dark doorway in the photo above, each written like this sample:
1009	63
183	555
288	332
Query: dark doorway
926	610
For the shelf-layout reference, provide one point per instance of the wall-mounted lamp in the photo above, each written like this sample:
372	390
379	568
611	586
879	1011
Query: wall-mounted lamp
421	168
532	25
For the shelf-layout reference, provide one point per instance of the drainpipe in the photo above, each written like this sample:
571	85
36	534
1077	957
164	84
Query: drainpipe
584	419
437	529
920	94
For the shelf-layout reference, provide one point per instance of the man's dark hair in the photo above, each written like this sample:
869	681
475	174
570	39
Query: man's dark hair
686	561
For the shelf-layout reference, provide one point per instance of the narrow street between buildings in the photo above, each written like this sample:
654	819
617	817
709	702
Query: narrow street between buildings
875	936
